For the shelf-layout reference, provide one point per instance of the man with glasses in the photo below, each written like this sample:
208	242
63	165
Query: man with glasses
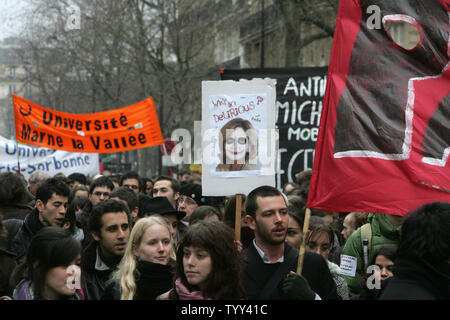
132	181
99	191
190	199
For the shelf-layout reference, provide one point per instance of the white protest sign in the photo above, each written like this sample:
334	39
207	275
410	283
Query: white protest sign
240	143
348	265
51	161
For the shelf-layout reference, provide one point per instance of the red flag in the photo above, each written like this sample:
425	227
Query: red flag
384	136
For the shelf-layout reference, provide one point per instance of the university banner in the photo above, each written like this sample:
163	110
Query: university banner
384	136
31	159
127	128
298	107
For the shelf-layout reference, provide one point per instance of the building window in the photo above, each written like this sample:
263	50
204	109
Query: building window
12	71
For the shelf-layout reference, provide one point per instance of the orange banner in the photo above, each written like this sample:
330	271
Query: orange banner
127	128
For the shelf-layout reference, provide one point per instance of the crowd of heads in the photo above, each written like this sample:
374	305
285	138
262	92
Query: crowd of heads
134	221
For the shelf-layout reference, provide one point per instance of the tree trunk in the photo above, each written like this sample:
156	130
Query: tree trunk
292	46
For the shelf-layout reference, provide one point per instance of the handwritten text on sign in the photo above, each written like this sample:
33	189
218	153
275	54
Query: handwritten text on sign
229	108
128	128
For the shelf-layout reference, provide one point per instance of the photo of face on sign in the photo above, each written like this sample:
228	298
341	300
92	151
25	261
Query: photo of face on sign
239	143
240	135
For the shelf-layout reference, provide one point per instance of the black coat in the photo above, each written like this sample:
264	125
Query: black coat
20	243
415	279
256	273
7	265
95	280
152	280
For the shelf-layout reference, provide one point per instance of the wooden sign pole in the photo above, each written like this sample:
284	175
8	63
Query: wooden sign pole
301	254
237	222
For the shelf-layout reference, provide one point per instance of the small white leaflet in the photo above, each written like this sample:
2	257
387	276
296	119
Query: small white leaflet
348	265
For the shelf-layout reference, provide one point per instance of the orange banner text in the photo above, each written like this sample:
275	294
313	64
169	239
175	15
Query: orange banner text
133	127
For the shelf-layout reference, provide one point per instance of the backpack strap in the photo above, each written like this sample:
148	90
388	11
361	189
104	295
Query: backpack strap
278	275
366	241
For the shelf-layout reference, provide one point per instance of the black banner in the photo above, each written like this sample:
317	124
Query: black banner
299	105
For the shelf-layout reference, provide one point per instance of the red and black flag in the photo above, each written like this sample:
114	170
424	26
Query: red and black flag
384	136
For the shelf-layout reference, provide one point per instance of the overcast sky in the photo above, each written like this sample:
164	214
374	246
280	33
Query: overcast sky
10	22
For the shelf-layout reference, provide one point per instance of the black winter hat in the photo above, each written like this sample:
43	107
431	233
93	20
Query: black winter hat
194	191
158	205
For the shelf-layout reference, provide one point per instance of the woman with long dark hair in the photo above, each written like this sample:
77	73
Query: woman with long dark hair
373	283
51	268
208	265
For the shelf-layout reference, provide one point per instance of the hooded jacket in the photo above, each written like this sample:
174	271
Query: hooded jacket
383	233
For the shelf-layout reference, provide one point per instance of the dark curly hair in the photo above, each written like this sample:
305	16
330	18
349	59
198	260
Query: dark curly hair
426	234
95	223
224	281
52	186
12	189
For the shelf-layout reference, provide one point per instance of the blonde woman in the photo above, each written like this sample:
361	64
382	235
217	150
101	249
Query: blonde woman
146	269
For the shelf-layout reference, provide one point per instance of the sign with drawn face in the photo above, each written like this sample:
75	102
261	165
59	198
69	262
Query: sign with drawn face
239	138
384	138
238	119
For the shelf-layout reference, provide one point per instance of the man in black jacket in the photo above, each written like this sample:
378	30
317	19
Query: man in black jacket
269	265
50	209
109	225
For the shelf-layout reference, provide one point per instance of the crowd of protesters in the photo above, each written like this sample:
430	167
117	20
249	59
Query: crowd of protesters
127	237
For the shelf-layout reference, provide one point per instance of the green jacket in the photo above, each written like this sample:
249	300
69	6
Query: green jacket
383	233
